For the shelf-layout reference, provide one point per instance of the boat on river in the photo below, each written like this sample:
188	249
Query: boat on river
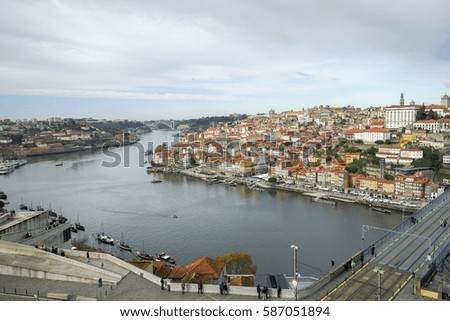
381	210
123	245
103	238
164	257
60	163
156	181
144	255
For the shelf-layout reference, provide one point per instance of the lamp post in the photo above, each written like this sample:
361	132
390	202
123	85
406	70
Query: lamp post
380	273
294	280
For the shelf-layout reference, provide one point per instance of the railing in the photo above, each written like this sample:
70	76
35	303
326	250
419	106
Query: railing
389	237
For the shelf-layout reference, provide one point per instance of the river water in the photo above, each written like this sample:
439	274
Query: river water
212	219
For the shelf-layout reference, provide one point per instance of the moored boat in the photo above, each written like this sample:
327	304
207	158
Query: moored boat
123	245
60	163
381	210
156	181
105	239
164	257
144	255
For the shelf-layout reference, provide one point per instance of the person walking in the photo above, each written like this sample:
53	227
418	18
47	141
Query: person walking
258	290
88	258
445	223
221	288
352	265
183	286
279	292
441	223
200	288
162	284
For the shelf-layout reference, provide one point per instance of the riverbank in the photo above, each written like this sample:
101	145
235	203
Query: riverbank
258	184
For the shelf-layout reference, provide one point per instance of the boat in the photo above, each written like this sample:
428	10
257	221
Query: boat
123	245
323	201
102	237
6	169
78	226
156	181
105	239
3	196
164	257
381	210
144	255
173	216
60	163
73	229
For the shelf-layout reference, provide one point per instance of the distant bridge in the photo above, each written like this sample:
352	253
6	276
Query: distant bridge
410	252
170	124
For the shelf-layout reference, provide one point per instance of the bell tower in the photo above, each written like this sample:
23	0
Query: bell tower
402	100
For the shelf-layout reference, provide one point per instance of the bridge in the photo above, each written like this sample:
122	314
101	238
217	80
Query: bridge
170	124
411	252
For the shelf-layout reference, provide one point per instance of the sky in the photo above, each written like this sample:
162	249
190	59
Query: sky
186	59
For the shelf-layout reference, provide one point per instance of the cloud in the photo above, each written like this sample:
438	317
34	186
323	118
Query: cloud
220	51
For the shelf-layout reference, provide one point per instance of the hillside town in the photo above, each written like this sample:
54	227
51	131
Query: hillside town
396	152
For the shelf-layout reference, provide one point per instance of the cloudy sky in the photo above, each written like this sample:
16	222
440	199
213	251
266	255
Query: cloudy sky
181	59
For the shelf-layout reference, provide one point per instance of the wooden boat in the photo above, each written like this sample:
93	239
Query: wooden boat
144	255
156	181
60	163
123	245
381	210
78	226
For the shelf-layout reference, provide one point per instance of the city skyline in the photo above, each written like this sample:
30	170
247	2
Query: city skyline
174	60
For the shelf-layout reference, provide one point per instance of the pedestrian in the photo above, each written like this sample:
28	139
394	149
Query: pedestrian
362	259
279	292
266	292
372	250
429	259
88	259
200	287
445	223
332	263
352	264
258	290
162	284
168	285
225	289
441	223
183	286
221	288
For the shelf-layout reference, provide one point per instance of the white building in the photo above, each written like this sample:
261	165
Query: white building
400	116
431	125
369	135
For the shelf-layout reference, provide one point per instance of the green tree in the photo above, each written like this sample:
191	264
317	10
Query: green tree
160	148
272	179
238	263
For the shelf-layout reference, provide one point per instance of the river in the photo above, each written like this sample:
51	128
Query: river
212	219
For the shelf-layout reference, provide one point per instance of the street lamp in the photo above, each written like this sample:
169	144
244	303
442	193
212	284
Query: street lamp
380	273
294	280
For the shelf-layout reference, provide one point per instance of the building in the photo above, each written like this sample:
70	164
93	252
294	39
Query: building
368	135
400	116
35	228
445	100
430	125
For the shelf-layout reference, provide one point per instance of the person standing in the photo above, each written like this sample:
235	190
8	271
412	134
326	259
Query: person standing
258	290
279	292
183	286
352	264
162	284
200	287
445	223
441	223
88	258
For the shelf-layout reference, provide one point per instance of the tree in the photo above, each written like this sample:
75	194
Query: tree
160	148
272	179
238	263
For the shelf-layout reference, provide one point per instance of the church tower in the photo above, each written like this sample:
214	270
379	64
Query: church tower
445	100
402	100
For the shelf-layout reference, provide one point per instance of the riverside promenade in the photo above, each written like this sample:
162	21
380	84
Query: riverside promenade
27	273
